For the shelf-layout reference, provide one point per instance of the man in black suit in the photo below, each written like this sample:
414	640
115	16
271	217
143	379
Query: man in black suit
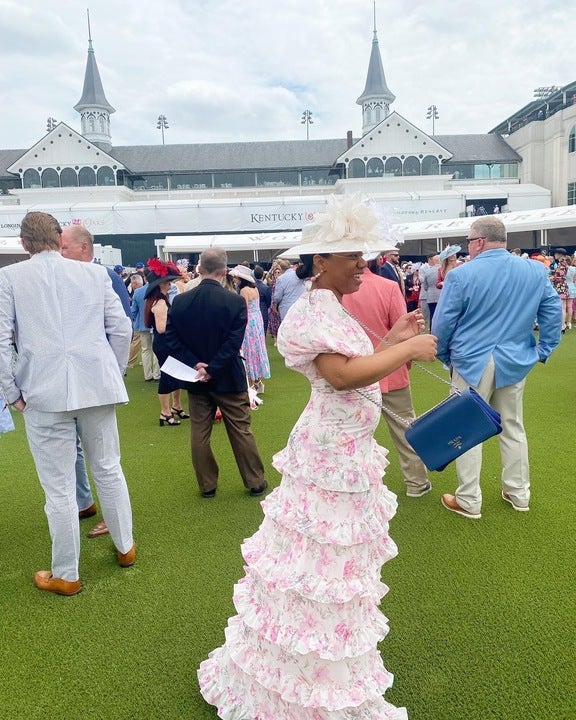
205	331
391	270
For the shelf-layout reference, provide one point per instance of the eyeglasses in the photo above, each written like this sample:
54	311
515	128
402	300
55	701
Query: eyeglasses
480	237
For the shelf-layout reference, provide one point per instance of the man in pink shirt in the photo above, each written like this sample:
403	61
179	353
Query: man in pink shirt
378	304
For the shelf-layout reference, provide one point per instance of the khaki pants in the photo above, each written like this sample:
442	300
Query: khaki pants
513	445
135	348
149	362
413	469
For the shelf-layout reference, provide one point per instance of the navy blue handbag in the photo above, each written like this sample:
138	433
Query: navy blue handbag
453	427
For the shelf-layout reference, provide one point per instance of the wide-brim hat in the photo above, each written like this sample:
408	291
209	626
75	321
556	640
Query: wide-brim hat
160	272
449	251
241	271
350	224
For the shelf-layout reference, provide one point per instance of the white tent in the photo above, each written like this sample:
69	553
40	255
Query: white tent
242	241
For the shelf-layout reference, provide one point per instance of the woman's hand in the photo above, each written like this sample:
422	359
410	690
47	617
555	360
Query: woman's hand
406	327
422	347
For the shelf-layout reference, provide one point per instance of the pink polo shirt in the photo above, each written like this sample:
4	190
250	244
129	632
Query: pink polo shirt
378	304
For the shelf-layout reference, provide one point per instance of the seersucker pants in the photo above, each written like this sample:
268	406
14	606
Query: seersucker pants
52	440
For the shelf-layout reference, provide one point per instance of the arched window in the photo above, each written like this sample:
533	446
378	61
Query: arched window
572	140
50	178
430	165
378	112
68	177
86	177
105	176
411	166
393	166
368	115
102	122
375	168
31	179
356	169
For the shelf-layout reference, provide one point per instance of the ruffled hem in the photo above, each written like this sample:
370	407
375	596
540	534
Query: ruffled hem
306	680
350	467
321	572
301	626
250	701
328	516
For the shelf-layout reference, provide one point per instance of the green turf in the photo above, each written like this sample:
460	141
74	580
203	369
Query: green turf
482	614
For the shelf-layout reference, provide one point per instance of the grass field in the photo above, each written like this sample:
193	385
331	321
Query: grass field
482	613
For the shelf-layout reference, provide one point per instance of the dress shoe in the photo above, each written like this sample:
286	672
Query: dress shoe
209	494
257	491
450	503
90	511
418	493
44	581
520	508
127	559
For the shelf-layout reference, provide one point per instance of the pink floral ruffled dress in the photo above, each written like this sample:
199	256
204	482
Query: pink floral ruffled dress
303	645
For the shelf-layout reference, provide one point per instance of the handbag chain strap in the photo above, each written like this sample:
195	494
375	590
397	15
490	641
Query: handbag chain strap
420	367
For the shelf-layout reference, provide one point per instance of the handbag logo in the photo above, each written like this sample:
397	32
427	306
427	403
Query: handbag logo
456	442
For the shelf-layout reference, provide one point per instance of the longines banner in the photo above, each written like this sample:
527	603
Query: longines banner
216	216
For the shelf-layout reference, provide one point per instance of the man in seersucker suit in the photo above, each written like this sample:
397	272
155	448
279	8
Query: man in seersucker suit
72	338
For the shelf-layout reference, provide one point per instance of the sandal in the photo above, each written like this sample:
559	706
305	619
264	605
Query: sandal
168	420
180	413
99	529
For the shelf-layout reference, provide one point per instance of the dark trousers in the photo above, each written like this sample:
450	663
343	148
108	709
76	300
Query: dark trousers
235	408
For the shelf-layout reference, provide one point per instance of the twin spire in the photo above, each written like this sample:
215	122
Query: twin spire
377	97
95	110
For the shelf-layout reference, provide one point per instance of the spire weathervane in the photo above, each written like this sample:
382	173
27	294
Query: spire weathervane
89	30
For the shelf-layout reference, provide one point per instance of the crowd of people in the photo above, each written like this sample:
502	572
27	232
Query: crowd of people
351	318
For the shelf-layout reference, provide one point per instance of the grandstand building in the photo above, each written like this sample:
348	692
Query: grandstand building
254	197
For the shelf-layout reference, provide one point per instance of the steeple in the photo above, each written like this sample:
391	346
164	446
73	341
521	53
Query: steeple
93	107
376	98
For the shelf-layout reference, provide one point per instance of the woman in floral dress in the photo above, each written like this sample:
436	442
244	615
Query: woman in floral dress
303	645
558	271
254	345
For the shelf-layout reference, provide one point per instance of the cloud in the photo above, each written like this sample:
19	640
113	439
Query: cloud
223	70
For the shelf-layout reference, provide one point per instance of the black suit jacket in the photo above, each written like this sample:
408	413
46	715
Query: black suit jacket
207	325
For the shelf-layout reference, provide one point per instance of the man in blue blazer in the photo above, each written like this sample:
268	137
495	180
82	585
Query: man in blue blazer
205	331
484	324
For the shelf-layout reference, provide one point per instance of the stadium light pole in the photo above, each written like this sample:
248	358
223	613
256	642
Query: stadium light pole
307	120
432	115
162	125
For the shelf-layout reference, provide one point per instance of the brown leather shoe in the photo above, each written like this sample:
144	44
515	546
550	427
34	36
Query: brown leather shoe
90	511
450	503
44	581
99	529
127	559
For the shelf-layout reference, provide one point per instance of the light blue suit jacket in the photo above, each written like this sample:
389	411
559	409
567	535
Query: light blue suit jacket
488	307
72	334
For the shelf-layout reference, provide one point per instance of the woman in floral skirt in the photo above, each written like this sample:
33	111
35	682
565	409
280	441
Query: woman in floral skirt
303	645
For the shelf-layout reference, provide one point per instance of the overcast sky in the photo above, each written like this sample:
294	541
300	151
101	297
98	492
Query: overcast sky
241	70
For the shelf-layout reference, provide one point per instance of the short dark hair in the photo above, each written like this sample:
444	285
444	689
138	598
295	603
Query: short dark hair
258	272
